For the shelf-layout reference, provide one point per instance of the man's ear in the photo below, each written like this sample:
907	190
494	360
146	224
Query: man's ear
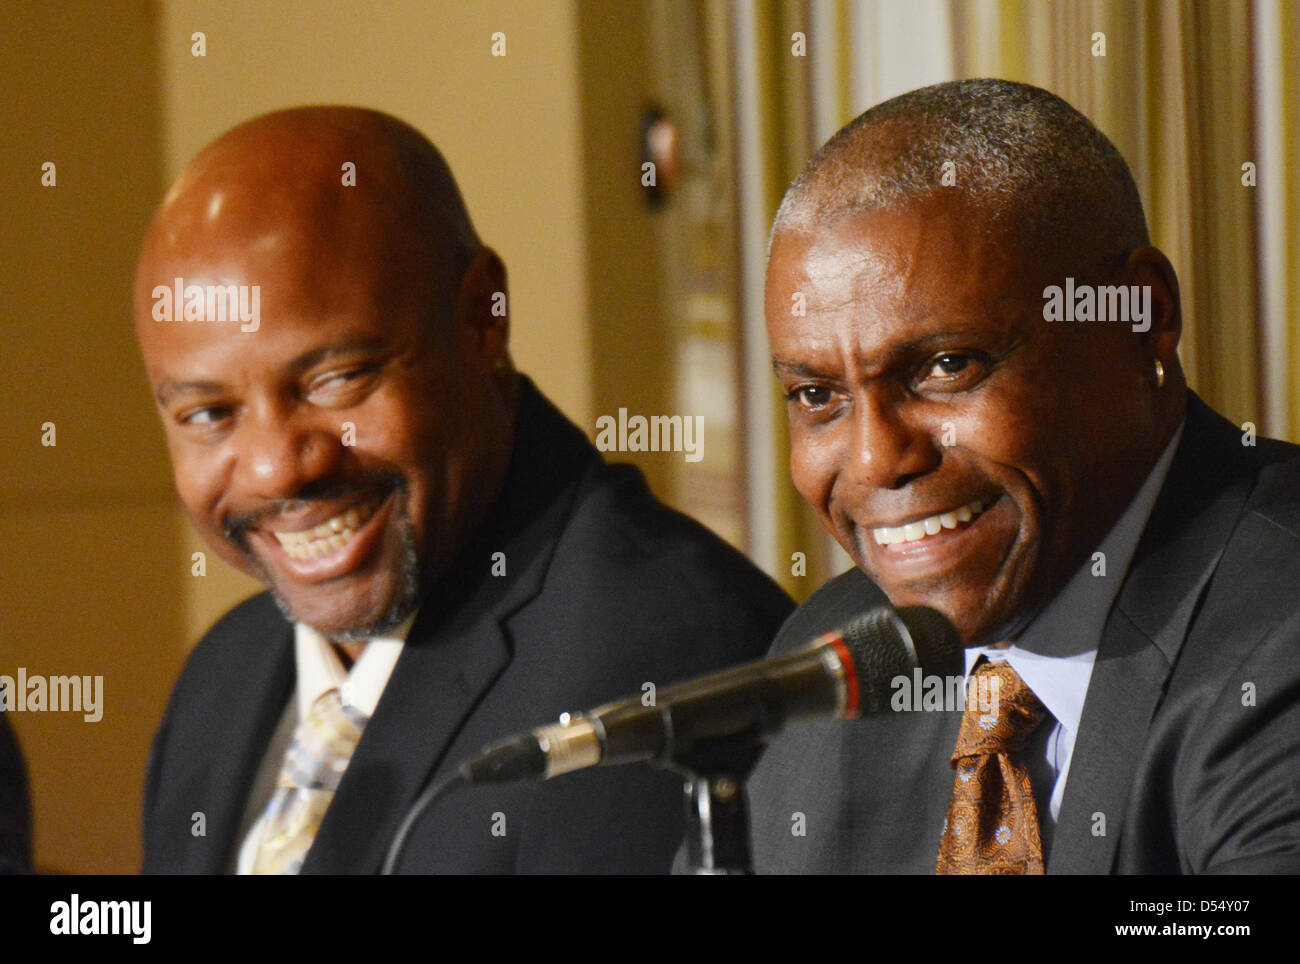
1148	266
483	307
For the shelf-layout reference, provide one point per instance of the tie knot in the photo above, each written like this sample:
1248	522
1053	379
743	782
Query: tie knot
323	744
1001	713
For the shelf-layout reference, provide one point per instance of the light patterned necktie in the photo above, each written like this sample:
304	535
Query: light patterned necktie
313	766
992	825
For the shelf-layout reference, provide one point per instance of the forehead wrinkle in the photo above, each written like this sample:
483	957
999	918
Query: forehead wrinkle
870	258
834	259
887	286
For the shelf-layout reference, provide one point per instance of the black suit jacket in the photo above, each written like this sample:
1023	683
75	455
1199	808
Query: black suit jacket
1187	758
605	590
15	817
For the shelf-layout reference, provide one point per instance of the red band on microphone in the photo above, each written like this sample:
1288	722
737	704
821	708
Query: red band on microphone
850	677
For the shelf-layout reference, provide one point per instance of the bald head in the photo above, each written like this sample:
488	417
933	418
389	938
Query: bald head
318	181
1017	157
345	436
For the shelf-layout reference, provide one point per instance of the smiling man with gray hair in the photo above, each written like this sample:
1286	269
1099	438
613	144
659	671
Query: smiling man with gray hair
1119	559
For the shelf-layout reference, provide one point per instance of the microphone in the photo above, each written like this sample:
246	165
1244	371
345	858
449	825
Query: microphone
843	674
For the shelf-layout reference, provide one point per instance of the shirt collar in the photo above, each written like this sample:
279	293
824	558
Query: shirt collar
321	670
1055	652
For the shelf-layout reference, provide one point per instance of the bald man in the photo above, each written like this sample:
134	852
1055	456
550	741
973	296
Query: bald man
447	557
978	344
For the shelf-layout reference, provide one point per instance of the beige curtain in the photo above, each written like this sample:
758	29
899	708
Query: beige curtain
1285	203
779	111
1172	83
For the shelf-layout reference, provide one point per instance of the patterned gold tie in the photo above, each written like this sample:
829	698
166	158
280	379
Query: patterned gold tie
992	825
313	766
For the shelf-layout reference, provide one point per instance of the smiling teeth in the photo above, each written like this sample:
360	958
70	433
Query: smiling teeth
330	535
932	525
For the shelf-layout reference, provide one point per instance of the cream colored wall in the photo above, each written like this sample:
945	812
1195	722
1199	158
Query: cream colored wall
88	550
508	126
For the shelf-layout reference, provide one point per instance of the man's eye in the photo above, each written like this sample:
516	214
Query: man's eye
204	417
342	381
954	369
951	364
811	396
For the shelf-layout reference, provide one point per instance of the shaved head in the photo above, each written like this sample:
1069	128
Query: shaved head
286	169
1020	158
344	438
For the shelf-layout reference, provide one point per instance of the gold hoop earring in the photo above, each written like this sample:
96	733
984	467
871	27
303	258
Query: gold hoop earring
1160	375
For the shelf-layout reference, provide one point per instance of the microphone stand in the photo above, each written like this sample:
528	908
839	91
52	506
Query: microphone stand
717	810
717	825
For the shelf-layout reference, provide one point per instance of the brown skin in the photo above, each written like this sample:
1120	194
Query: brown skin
913	324
361	321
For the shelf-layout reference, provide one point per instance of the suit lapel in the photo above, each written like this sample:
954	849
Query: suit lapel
225	750
458	646
1193	518
1126	684
436	684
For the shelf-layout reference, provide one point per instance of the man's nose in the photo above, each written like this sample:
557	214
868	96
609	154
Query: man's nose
891	445
280	452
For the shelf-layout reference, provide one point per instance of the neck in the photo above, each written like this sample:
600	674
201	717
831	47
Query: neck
349	652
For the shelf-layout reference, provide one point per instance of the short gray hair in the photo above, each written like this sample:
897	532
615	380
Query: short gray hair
1019	154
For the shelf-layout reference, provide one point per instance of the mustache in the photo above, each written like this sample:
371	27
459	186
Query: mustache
379	482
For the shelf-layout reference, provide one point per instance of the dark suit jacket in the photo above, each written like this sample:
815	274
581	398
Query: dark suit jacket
1187	758
605	589
15	818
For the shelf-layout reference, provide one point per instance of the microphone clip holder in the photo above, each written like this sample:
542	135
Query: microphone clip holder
717	808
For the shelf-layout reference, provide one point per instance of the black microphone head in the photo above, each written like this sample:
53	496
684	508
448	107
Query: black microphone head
886	643
938	645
